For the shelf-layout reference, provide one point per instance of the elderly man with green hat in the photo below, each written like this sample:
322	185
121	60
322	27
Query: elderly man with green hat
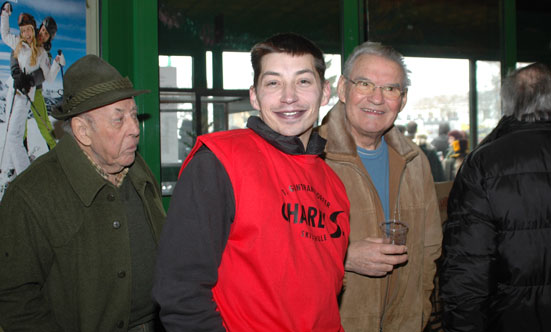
79	228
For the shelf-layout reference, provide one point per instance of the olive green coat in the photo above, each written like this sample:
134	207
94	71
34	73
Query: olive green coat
64	245
411	190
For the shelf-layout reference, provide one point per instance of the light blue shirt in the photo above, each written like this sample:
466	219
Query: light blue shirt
376	164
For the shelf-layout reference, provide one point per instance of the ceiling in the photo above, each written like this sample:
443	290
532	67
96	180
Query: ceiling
453	28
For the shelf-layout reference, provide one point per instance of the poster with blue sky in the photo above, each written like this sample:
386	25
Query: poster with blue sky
70	39
70	16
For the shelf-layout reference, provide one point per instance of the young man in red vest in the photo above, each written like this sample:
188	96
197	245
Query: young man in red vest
258	226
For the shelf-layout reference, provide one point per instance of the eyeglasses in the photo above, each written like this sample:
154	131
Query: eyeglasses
368	88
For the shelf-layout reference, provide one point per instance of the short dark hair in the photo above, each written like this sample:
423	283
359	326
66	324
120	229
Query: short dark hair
443	128
411	127
526	93
290	43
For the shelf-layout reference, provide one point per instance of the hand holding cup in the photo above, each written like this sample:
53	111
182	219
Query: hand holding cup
394	231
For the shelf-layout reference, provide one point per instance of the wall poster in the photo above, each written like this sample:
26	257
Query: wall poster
35	34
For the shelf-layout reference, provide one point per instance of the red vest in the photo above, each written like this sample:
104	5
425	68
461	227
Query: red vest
283	265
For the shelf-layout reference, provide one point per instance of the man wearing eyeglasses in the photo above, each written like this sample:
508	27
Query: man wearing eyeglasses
387	177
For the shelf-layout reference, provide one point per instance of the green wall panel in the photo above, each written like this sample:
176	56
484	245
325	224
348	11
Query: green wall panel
129	41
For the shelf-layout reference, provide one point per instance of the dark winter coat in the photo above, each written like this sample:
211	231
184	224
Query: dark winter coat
441	144
65	249
496	272
435	165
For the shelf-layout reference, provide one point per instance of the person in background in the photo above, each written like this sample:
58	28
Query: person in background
440	142
411	130
454	135
452	163
495	269
435	165
258	224
79	228
387	176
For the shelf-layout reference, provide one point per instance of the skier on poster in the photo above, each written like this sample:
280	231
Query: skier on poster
14	159
44	37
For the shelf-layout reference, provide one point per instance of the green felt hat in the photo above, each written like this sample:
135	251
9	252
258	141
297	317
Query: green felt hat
90	83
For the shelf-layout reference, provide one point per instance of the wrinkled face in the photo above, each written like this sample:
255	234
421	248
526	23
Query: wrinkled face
114	134
27	33
289	94
369	116
43	35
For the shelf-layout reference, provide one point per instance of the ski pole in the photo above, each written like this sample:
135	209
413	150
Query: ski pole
7	128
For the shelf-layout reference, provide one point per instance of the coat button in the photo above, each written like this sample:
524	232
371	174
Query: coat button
110	197
121	274
120	324
116	224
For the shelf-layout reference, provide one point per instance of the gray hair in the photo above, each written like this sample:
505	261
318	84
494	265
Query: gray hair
526	93
68	129
378	49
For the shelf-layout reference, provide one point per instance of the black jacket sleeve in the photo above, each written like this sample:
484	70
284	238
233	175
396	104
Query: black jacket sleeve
38	77
14	65
201	211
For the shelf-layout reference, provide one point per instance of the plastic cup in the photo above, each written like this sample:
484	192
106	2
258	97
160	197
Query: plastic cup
395	231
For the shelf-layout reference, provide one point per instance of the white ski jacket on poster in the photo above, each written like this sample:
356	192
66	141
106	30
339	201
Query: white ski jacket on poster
24	57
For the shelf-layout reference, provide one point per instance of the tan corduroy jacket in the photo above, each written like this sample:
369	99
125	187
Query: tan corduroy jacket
363	305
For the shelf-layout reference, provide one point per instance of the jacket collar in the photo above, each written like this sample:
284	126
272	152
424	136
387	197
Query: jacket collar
341	147
83	178
509	124
340	143
288	144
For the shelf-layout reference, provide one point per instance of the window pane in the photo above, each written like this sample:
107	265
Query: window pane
439	92
523	64
332	74
226	112
178	125
488	81
177	136
237	70
208	56
175	71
